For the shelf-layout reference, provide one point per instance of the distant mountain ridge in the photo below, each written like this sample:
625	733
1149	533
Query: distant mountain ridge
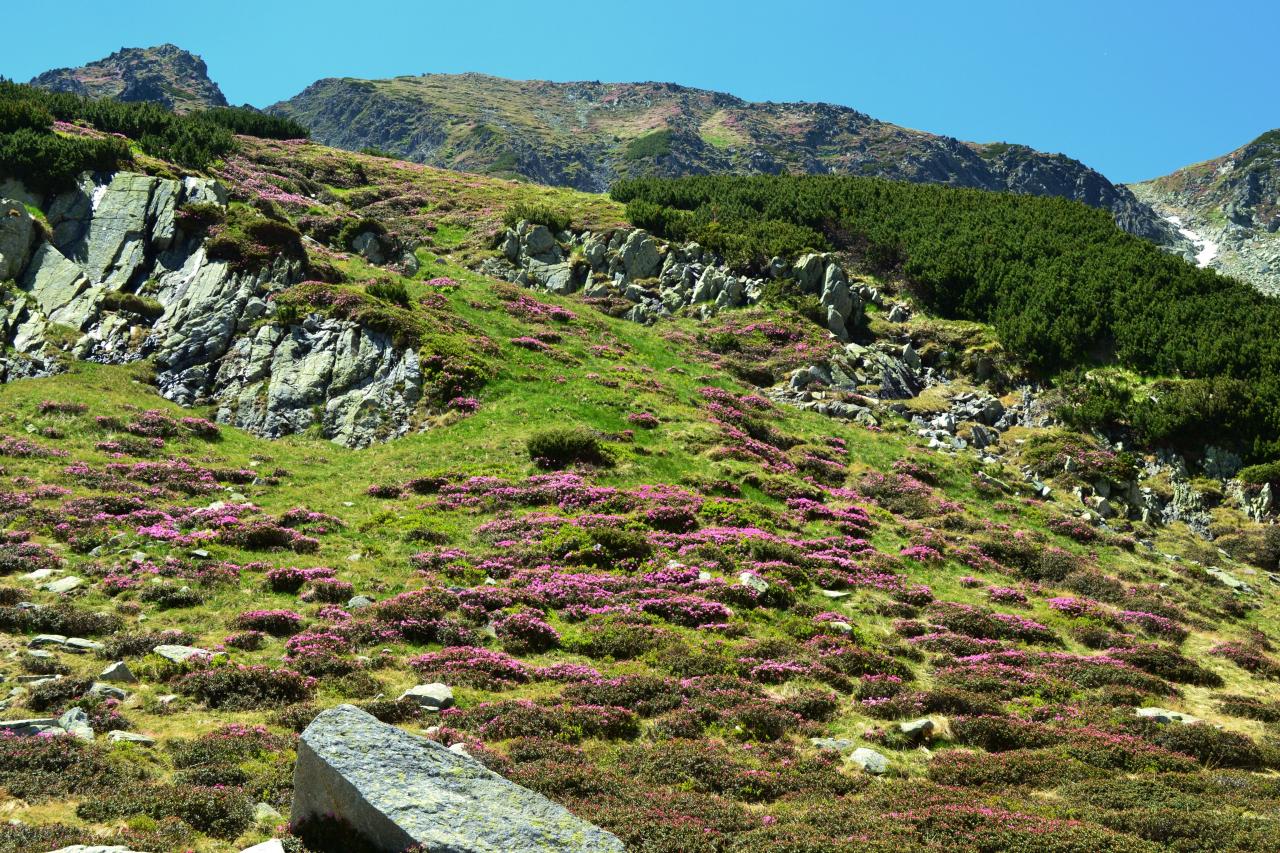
588	134
1232	205
166	74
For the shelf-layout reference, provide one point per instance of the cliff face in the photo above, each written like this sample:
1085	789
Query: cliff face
118	279
165	74
587	135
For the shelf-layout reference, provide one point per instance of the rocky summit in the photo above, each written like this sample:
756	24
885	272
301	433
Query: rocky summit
165	74
351	504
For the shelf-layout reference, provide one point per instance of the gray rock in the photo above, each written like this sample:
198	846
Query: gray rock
358	601
81	645
539	241
1164	715
17	232
808	271
121	736
398	790
371	245
30	726
62	585
869	761
899	314
46	640
108	691
182	654
1228	580
834	744
75	722
118	673
264	812
918	730
60	288
640	255
431	697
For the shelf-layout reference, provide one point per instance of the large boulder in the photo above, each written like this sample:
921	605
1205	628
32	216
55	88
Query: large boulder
17	230
640	256
397	790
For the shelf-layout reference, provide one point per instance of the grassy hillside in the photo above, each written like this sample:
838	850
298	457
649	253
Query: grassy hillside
672	707
650	588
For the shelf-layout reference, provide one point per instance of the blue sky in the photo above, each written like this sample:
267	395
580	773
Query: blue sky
1132	87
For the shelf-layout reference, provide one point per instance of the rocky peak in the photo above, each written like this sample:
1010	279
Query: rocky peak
1229	207
166	74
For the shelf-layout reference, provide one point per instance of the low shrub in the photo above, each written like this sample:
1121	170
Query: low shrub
220	812
564	446
236	687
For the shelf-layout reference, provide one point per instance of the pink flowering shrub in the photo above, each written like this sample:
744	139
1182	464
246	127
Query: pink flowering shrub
522	633
278	623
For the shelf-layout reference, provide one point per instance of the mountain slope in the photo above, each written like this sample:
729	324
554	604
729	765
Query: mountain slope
588	134
707	616
1231	207
166	74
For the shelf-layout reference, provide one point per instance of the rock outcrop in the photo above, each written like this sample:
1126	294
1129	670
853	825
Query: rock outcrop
119	280
165	74
658	279
397	790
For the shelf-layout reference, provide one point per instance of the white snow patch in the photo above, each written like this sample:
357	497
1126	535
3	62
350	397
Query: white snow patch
1206	249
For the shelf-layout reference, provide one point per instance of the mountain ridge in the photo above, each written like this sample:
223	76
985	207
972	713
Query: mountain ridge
587	134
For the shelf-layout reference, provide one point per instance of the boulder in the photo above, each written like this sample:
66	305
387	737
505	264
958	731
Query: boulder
75	722
540	242
640	255
833	744
398	790
17	231
118	673
917	730
182	654
430	697
1164	715
869	761
263	812
62	585
121	736
808	271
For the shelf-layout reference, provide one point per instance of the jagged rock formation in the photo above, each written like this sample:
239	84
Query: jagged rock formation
631	266
166	74
1230	208
587	135
398	790
116	279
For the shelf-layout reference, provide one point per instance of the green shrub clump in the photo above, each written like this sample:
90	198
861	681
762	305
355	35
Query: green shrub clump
1063	286
564	446
538	214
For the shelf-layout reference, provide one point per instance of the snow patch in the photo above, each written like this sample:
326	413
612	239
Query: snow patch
1206	249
